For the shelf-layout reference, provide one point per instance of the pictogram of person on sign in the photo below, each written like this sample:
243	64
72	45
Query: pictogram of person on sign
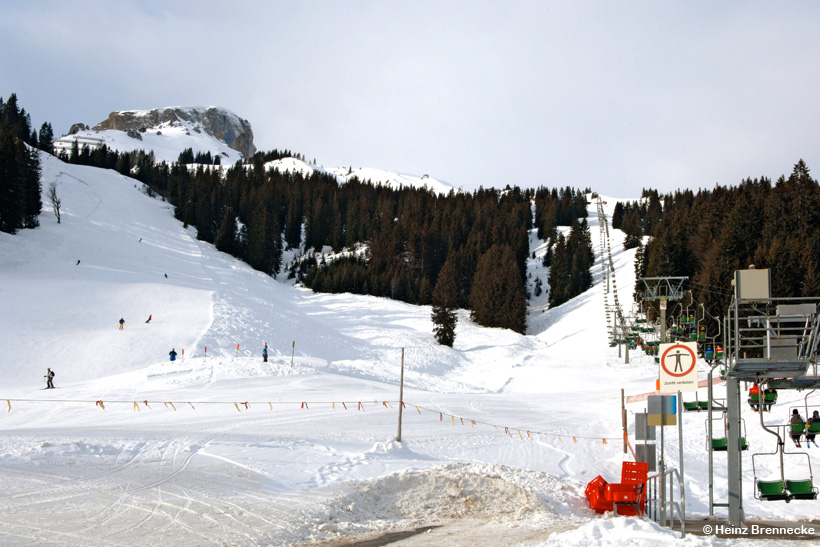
678	365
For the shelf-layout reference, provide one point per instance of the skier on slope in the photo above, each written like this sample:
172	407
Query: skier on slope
173	354
122	323
49	379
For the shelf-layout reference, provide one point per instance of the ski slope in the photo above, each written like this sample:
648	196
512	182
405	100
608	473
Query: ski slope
500	434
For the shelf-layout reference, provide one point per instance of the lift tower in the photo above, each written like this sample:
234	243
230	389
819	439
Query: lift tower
767	340
663	289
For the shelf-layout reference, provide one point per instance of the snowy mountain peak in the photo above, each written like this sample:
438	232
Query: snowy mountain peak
220	123
378	177
167	132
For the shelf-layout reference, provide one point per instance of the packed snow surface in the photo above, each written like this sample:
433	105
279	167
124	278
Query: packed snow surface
499	437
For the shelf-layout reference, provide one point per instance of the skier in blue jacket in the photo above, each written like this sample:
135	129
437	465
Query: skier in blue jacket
173	354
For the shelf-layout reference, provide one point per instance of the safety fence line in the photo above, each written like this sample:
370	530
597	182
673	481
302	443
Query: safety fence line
358	405
508	429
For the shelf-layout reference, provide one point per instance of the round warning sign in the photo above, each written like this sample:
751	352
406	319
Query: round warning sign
678	360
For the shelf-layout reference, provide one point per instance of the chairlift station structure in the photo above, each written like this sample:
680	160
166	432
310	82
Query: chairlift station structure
770	341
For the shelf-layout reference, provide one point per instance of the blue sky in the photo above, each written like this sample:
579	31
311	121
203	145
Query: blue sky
616	96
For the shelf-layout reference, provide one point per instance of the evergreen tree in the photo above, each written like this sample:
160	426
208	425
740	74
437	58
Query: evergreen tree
445	303
11	192
498	298
226	235
46	138
631	226
31	186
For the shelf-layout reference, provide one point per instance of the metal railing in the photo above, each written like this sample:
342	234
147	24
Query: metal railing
660	499
776	329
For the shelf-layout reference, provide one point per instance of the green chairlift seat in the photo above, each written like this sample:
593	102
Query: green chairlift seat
721	444
801	490
691	405
772	491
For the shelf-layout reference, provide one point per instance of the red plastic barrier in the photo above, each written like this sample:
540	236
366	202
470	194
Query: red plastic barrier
596	495
603	496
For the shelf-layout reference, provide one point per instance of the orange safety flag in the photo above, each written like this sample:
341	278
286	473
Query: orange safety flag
604	439
9	402
575	440
137	407
344	405
206	351
270	405
472	422
440	417
172	405
247	406
520	435
183	352
237	407
453	419
386	404
100	404
361	406
146	403
237	350
192	406
417	408
305	405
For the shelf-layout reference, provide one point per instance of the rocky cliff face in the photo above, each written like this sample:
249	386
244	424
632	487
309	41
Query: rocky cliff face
217	122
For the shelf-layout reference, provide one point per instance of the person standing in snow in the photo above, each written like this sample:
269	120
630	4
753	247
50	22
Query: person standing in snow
122	323
265	353
50	379
173	354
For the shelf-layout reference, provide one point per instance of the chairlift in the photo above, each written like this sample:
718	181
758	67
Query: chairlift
769	399
709	354
783	489
720	444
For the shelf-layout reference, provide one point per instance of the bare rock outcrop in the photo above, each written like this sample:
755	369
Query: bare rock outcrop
217	122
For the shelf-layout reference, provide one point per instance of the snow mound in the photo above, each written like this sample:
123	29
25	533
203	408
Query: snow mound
490	494
617	531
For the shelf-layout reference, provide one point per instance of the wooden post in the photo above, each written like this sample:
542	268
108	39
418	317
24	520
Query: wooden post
292	352
401	393
623	420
